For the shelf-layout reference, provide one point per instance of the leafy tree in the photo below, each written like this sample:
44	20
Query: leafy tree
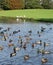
51	4
32	4
27	4
12	4
46	4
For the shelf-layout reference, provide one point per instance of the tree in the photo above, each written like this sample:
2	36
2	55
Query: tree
46	4
32	4
51	4
12	4
27	4
1	3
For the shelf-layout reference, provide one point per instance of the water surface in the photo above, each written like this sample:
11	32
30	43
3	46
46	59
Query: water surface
24	27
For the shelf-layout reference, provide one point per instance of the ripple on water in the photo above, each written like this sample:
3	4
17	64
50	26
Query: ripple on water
35	59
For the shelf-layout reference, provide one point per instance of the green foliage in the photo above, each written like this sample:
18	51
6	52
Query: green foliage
32	4
27	4
47	4
51	5
12	4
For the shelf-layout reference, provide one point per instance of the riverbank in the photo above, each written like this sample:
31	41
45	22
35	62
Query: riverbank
45	15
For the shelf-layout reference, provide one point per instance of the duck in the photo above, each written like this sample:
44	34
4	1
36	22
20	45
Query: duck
24	46
42	51
17	48
8	28
46	44
5	38
12	54
30	31
47	52
50	28
39	42
20	41
10	44
28	38
1	28
10	40
5	30
18	30
39	33
19	37
26	57
1	48
14	32
33	45
44	60
42	29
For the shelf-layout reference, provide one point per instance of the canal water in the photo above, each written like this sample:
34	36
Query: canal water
25	29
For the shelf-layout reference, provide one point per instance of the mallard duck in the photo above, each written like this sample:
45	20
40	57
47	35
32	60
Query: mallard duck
47	44
39	42
12	54
47	52
1	48
42	29
10	40
24	46
44	60
42	51
26	57
28	38
33	45
10	44
17	48
30	31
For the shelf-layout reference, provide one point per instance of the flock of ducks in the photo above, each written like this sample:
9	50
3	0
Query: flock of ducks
24	44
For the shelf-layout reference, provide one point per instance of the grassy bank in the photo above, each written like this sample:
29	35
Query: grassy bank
37	14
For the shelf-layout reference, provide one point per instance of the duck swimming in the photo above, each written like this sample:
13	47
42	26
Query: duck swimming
10	44
39	42
1	48
44	60
26	57
12	54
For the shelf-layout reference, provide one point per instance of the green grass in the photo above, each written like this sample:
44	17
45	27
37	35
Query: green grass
37	14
